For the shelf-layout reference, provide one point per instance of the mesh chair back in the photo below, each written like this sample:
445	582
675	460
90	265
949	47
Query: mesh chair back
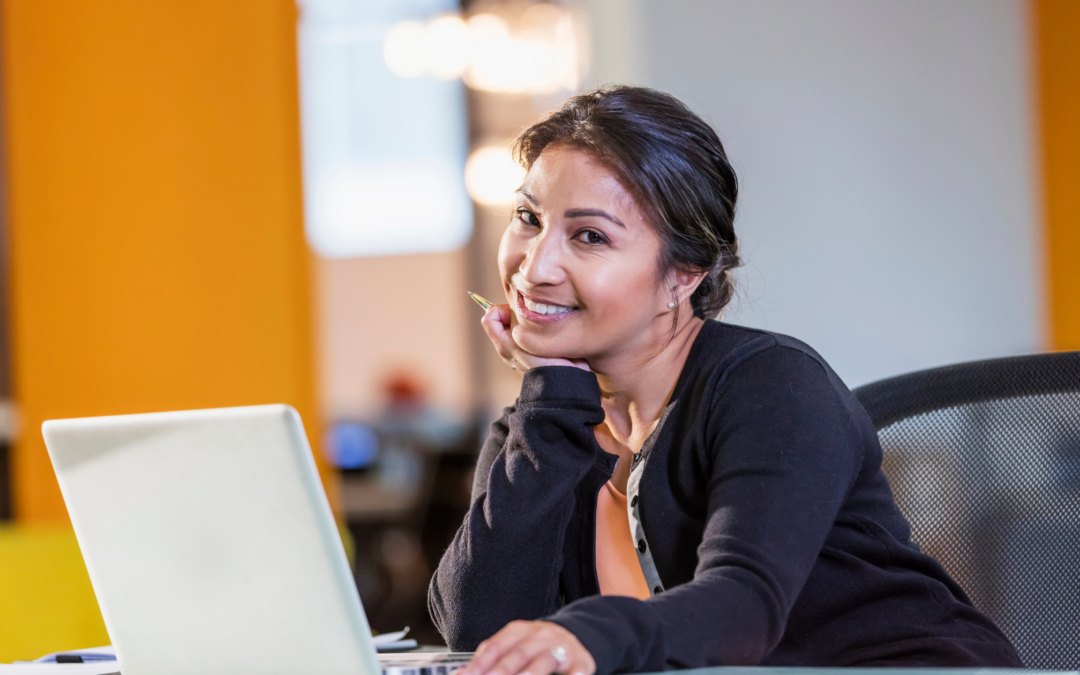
984	461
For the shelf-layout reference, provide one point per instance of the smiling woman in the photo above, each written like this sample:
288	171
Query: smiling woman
670	491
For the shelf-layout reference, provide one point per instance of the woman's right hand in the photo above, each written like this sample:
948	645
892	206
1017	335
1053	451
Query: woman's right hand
497	324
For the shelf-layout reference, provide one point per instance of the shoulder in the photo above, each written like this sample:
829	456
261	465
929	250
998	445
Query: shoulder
726	351
753	369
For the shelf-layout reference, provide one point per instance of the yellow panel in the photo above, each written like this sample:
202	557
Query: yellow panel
156	243
46	602
1058	55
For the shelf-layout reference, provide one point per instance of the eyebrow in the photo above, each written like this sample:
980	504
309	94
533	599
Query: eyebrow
589	213
578	213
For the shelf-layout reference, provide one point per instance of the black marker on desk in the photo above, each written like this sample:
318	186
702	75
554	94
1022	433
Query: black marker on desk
68	658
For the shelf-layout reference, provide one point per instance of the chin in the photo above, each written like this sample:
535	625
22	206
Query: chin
548	347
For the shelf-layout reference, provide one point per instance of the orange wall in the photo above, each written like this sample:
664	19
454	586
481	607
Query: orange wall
1057	25
157	258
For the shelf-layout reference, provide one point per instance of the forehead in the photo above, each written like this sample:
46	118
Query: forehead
575	179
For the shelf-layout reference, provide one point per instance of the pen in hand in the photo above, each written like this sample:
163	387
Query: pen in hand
484	304
503	343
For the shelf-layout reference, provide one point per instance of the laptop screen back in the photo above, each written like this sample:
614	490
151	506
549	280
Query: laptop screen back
210	543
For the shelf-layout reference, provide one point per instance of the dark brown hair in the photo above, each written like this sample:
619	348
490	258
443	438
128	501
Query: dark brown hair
674	166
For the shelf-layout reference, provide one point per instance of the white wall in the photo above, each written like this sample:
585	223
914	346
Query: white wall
885	150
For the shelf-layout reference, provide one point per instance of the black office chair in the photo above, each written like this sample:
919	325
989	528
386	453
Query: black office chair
984	460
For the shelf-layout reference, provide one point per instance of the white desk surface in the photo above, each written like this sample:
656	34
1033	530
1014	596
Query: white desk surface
100	668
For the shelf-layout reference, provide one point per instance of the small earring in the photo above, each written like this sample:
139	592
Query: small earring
671	305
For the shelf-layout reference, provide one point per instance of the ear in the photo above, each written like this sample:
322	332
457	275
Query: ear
683	284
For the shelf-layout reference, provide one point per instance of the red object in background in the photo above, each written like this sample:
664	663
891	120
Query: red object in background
404	391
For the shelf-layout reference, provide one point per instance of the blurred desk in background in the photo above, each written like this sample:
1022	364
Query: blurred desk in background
402	508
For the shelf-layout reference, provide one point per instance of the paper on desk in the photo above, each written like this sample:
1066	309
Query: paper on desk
89	655
31	668
393	641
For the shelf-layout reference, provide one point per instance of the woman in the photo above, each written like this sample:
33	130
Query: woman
670	491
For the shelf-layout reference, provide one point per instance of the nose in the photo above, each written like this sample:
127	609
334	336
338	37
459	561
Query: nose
543	260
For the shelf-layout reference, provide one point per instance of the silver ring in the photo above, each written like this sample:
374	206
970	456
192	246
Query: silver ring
559	654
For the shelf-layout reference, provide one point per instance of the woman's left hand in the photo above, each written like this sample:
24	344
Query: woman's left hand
530	648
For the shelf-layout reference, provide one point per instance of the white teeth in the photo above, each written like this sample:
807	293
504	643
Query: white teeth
541	308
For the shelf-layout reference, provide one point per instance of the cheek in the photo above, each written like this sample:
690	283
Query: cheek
511	252
623	294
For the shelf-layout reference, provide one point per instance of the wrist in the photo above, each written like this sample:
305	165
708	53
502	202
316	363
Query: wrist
559	383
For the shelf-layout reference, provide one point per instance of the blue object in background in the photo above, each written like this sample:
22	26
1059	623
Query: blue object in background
352	446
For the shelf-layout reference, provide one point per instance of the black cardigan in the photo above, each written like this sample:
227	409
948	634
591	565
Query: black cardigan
764	508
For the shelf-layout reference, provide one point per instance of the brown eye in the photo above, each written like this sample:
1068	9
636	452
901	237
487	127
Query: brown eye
528	217
591	237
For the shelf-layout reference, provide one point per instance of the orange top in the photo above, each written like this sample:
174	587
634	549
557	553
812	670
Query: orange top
617	565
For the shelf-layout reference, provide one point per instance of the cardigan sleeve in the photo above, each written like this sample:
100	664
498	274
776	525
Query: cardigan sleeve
504	561
784	455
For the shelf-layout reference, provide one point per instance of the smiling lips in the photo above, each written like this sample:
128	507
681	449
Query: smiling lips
538	312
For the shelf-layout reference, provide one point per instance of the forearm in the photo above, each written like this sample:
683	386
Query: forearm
504	561
496	573
727	618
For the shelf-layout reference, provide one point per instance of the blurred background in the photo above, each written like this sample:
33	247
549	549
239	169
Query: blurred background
215	203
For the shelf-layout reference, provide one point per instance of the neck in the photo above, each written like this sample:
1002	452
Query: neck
636	385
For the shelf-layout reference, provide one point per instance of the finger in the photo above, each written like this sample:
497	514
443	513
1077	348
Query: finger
528	649
492	649
582	364
497	329
542	665
584	666
496	319
497	316
538	651
503	312
511	662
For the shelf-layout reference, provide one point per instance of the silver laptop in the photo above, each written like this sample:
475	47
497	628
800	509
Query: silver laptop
211	546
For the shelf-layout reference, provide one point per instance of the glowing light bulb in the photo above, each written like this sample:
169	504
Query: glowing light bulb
541	57
492	176
403	49
447	47
540	20
492	67
486	27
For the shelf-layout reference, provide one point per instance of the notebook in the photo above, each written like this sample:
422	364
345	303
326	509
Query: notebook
211	546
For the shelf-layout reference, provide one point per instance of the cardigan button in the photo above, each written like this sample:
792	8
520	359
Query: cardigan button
658	590
641	545
633	502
